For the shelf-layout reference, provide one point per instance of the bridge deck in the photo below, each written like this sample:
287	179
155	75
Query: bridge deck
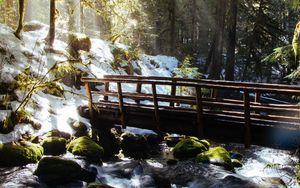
190	106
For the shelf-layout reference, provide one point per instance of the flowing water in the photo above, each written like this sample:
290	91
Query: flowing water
260	167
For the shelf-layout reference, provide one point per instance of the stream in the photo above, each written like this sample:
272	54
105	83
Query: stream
262	166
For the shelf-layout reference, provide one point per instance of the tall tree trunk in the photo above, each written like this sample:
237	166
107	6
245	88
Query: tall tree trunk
21	18
251	40
51	34
229	71
172	18
217	56
193	29
82	18
28	11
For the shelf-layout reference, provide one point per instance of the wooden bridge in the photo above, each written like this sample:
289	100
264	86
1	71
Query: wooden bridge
198	107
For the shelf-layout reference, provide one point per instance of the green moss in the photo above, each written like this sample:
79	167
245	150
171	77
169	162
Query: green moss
12	154
216	155
84	146
236	163
206	143
188	147
53	170
54	145
98	185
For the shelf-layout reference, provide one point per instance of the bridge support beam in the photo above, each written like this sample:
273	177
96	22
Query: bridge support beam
121	105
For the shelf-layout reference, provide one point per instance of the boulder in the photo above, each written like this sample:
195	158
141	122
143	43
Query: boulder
171	141
77	43
153	139
216	155
12	154
80	128
273	182
85	146
98	185
54	145
134	145
58	133
188	147
236	163
57	171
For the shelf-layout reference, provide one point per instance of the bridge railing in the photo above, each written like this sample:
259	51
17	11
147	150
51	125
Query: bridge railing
207	99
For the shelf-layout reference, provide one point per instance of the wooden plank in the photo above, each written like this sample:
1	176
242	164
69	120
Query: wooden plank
215	85
210	102
156	109
247	119
204	81
121	105
200	129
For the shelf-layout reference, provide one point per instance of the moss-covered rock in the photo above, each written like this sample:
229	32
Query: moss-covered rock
54	145
12	154
216	155
77	43
99	185
188	147
171	141
58	133
134	145
85	146
80	128
57	171
236	163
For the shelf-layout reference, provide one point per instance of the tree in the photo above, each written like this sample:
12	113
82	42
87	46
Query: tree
172	18
21	18
217	54
51	34
232	21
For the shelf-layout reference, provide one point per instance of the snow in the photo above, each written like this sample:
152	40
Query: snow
53	112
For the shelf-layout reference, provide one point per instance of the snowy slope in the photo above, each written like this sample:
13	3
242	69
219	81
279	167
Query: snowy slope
31	52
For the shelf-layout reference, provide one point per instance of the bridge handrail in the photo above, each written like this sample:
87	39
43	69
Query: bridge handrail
262	87
249	109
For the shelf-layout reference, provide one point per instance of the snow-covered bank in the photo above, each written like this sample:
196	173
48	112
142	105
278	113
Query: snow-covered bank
32	53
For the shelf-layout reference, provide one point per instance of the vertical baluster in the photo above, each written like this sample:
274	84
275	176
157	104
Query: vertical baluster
247	119
156	109
106	89
138	90
121	105
257	97
173	92
200	132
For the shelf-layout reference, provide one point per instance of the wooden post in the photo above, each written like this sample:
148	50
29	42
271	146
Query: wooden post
138	90
257	100
156	110
247	119
257	97
173	92
200	132
121	105
106	89
91	109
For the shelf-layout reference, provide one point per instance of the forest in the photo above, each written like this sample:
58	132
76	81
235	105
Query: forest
149	93
229	40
